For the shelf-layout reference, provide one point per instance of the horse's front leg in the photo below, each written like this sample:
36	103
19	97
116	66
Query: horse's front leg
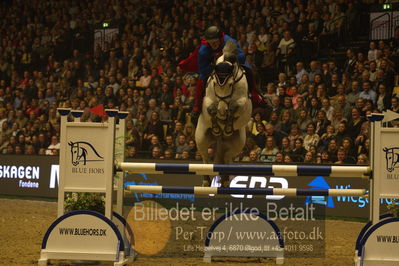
240	112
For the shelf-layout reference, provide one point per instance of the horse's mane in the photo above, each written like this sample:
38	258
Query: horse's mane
230	52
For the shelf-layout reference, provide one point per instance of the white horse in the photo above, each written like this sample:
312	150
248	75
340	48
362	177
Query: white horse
226	110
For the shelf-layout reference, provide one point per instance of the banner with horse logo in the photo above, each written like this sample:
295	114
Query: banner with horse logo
86	156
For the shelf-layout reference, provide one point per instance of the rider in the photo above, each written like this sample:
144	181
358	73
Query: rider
211	49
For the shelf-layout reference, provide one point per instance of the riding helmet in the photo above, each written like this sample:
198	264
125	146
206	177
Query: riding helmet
213	33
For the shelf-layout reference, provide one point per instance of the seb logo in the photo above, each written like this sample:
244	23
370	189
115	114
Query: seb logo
254	182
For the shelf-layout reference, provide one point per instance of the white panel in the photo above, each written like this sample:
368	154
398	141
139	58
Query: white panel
86	157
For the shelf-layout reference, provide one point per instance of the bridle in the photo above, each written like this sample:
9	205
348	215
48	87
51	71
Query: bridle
220	79
221	82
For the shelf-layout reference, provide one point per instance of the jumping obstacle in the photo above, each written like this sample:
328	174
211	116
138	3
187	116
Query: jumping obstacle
89	168
237	169
86	165
377	241
290	192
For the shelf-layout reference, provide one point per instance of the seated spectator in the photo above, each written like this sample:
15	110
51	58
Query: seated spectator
338	118
355	124
131	152
270	93
300	71
277	135
154	142
169	154
353	94
54	147
298	152
294	134
349	150
327	137
383	100
311	138
324	158
185	155
133	137
260	138
310	42
10	149
322	123
252	158
279	158
156	153
364	148
362	159
145	79
152	107
169	143
303	120
313	109
29	150
274	121
254	121
309	158
287	158
327	108
285	146
341	157
268	154
189	132
176	131
286	122
367	93
198	156
285	52
304	86
154	128
181	146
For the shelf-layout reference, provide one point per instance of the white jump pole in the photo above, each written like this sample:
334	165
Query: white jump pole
290	192
236	169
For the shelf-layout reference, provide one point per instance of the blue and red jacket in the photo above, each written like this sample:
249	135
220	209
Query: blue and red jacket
203	58
207	57
202	61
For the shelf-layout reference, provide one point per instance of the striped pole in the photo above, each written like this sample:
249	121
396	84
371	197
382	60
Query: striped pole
246	169
290	192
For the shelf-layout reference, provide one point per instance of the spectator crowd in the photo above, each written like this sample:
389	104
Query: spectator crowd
313	110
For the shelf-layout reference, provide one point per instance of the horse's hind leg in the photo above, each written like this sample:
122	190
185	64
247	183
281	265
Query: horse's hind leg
232	148
204	141
220	159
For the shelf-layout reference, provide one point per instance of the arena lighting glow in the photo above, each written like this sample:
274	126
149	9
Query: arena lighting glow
386	6
105	24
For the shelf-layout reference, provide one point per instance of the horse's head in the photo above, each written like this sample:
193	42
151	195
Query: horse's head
390	159
77	153
225	68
